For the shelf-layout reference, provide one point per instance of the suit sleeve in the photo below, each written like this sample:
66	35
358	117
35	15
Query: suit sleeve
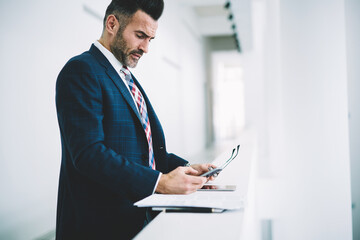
175	161
80	114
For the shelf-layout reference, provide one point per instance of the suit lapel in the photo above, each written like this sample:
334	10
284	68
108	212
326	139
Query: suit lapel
123	89
114	76
156	129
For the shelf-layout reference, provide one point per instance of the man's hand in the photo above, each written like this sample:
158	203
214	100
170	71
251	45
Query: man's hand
203	168
182	180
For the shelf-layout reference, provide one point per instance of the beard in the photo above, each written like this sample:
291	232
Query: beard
122	52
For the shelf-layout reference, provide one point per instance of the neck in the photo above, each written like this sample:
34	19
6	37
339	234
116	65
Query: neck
104	43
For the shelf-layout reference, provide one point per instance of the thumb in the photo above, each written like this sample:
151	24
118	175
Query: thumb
190	171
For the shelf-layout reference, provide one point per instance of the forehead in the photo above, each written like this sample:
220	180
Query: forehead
141	21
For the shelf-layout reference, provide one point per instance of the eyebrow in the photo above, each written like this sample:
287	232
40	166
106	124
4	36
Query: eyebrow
141	32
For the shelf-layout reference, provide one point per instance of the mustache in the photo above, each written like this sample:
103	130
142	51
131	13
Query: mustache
140	52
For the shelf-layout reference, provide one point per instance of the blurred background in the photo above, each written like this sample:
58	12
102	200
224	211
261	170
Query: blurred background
283	72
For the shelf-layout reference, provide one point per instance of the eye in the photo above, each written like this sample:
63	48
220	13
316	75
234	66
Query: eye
140	36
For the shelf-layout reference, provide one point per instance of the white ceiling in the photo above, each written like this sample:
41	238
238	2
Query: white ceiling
203	2
211	10
213	18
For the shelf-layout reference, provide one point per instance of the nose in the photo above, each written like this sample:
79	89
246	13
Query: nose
144	46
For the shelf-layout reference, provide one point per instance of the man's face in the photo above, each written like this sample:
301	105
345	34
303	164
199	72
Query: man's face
129	45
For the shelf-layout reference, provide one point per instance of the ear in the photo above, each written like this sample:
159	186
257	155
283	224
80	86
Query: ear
112	25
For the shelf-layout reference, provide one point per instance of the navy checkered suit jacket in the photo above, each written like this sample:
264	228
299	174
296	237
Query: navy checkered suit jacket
104	167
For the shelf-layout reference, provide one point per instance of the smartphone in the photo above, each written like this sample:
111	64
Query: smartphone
212	172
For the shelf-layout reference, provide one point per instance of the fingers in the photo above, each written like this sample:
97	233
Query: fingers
202	168
211	165
195	183
180	181
212	178
192	183
207	167
197	180
190	171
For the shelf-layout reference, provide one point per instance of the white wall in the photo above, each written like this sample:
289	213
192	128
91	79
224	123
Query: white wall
315	118
306	108
34	45
38	37
352	10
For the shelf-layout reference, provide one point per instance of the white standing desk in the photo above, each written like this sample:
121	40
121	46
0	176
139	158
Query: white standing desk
239	224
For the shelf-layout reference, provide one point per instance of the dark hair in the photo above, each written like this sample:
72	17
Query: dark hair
127	8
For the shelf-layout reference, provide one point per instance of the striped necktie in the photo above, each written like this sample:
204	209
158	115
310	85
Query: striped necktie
140	102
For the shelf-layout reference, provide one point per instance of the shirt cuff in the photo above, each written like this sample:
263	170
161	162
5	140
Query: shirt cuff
157	182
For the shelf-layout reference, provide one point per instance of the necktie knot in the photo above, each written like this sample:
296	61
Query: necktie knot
125	70
127	73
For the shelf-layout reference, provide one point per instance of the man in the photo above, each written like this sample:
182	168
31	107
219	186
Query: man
113	146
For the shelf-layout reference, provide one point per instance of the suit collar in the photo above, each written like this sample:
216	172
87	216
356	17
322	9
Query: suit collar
99	56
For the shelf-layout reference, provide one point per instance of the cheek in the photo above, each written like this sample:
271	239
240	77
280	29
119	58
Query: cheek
132	43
